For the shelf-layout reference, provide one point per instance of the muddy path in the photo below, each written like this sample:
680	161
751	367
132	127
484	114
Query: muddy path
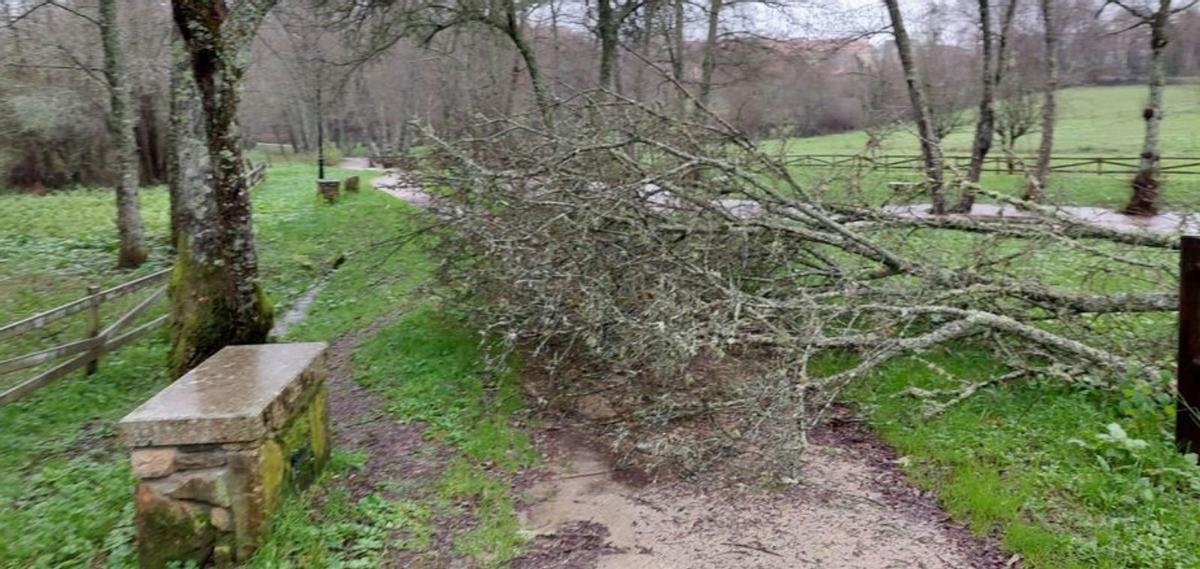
853	509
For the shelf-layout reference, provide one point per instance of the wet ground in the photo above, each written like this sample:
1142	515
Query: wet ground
853	508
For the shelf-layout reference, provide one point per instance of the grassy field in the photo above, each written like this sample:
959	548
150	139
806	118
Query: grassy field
1093	121
65	485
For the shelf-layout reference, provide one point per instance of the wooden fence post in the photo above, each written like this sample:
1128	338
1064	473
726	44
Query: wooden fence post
1187	406
93	330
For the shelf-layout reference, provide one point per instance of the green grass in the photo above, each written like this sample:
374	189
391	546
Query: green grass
1092	121
430	370
1026	462
65	486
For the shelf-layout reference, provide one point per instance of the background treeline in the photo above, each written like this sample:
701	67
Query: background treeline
367	78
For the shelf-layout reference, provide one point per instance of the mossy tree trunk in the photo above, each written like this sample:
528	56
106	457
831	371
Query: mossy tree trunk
131	251
216	296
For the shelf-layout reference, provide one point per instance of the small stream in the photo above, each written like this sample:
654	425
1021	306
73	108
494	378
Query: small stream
299	309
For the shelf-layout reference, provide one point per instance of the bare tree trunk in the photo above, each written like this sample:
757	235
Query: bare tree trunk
677	49
931	153
985	122
645	41
512	27
677	40
1147	183
132	249
215	292
609	19
712	38
1036	189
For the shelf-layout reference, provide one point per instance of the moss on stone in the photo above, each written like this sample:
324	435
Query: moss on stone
168	530
271	471
304	441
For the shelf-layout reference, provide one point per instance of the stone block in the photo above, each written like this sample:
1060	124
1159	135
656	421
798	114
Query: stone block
200	459
351	185
170	531
221	519
329	190
209	486
153	462
218	451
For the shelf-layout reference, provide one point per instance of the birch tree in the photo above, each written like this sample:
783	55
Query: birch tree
1147	183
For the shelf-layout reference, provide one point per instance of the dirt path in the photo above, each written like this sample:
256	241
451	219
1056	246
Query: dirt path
852	510
396	184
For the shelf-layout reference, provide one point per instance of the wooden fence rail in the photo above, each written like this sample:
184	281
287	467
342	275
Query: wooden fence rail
84	352
999	164
255	174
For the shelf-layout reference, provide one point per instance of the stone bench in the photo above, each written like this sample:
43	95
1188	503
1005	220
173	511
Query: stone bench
216	451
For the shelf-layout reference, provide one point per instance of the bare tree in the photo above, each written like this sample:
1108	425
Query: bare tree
216	296
1147	183
931	152
132	247
609	19
1017	115
711	42
1035	189
991	75
643	249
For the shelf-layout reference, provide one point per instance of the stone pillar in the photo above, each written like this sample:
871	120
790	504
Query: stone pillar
328	189
351	185
216	452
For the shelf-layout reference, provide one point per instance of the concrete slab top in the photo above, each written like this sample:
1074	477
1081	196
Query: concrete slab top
237	395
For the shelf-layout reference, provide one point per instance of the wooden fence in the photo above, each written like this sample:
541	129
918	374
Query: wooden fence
255	174
999	164
97	341
86	352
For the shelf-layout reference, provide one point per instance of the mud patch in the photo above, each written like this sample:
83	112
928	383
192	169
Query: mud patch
575	544
851	510
397	451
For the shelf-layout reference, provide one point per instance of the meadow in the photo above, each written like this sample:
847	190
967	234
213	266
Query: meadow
1092	121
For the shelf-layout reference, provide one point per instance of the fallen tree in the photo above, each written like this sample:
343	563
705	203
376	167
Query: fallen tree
680	272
